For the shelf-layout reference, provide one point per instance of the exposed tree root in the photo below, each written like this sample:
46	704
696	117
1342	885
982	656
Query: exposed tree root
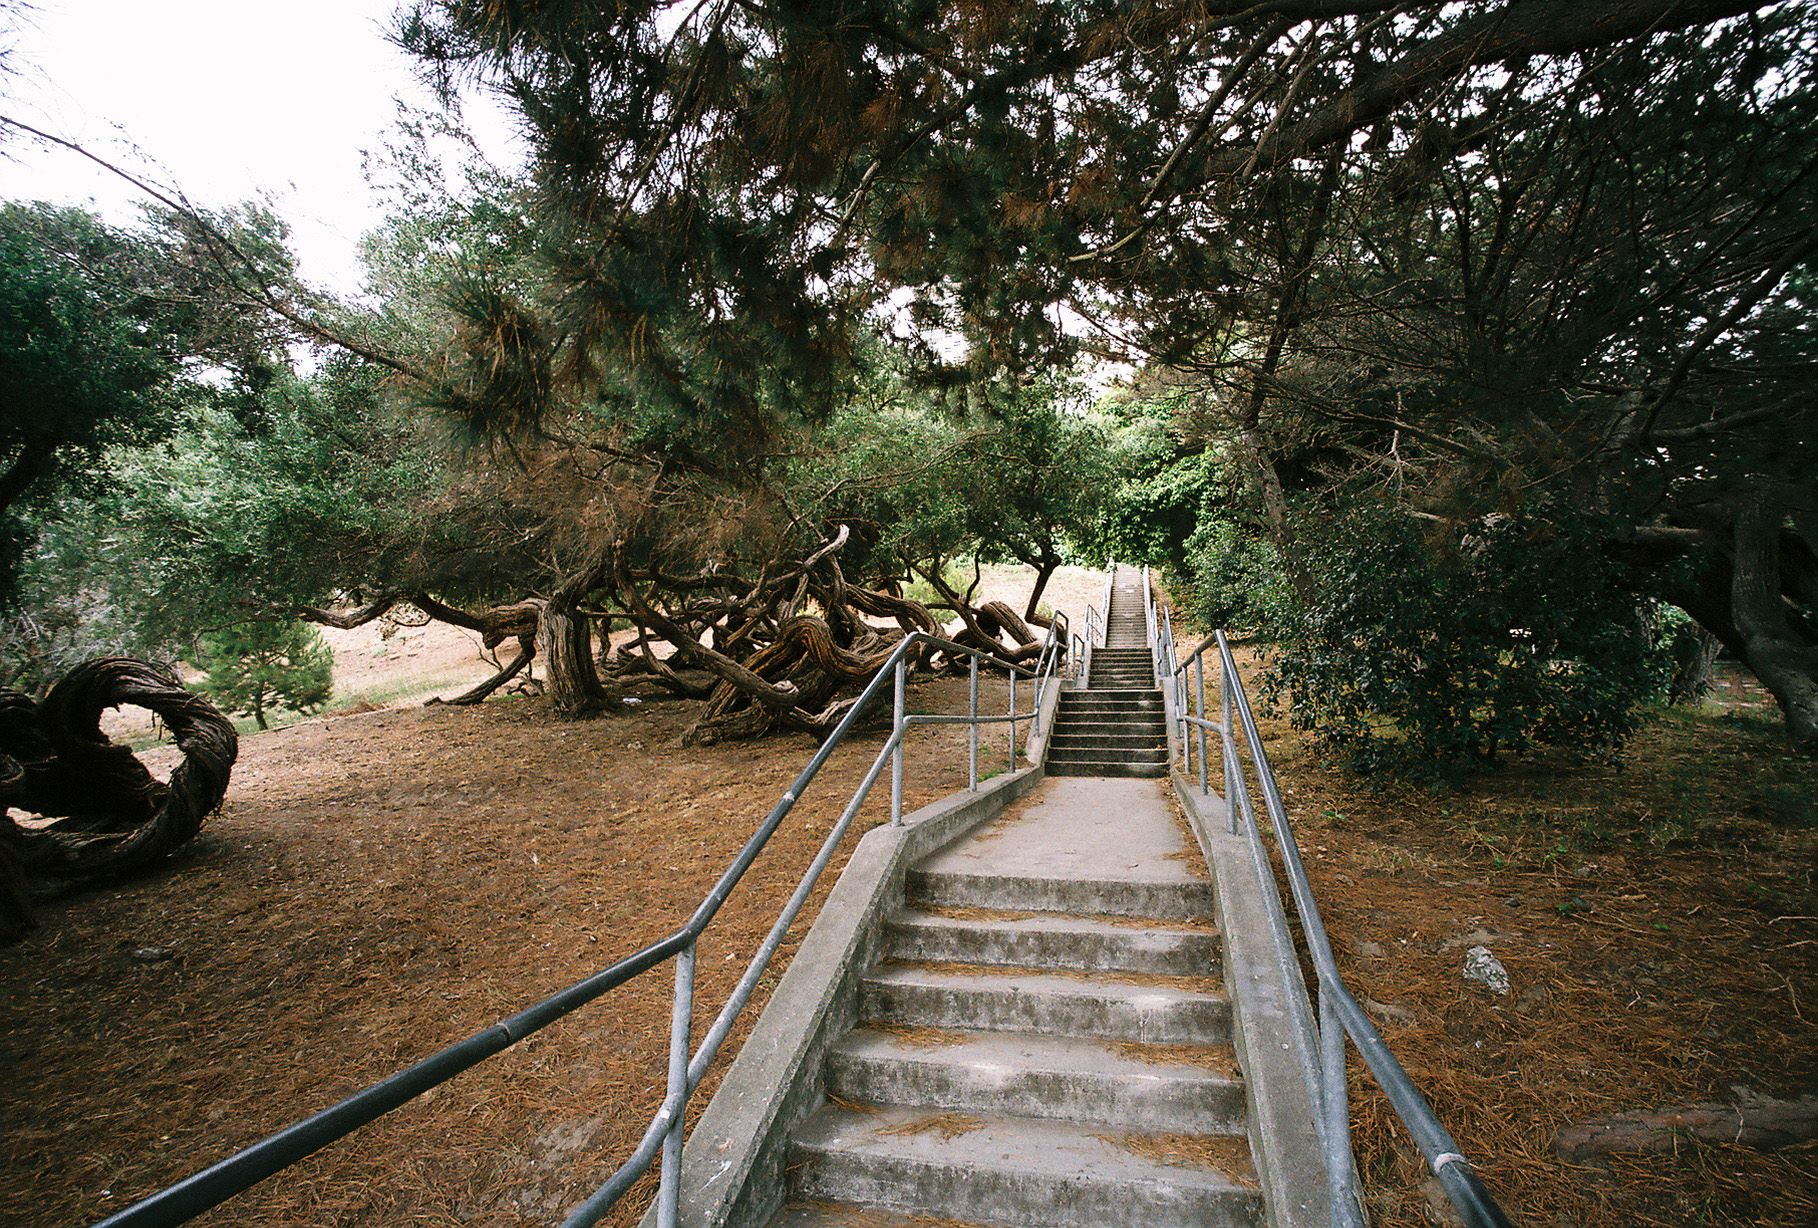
527	648
111	816
1752	1122
784	649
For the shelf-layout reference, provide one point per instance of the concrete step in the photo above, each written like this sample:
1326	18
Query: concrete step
1153	1010
1146	737
1189	900
1174	1089
1113	722
1106	767
1009	1171
1111	697
1058	755
1107	720
1121	714
1124	703
1128	738
1052	941
838	1215
1146	749
1145	733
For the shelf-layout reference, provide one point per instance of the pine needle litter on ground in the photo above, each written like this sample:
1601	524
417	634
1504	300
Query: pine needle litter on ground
866	1217
917	1037
947	1125
1228	1154
1652	916
1215	1059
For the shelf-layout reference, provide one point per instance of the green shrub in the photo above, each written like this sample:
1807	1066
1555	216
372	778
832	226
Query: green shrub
1235	580
1445	647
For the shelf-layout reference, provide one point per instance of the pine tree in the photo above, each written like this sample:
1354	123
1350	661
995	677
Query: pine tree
255	667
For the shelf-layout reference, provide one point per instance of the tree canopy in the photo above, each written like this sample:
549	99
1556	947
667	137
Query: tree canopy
786	307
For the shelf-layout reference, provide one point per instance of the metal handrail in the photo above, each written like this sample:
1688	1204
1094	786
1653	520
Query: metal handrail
1340	1016
199	1192
1097	629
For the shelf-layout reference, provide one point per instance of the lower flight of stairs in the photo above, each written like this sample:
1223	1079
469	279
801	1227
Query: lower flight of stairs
1030	1052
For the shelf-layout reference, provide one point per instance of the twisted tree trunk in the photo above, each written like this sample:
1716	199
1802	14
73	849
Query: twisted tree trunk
111	816
565	637
1784	660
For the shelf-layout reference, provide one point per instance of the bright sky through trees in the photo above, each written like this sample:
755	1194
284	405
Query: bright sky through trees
226	99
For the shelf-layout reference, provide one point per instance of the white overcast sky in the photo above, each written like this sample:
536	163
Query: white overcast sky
227	99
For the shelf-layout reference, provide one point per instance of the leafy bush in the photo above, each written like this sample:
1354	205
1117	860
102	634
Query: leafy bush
1234	580
1448	647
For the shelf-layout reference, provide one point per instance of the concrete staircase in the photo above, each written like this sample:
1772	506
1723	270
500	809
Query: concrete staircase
1116	726
1045	1042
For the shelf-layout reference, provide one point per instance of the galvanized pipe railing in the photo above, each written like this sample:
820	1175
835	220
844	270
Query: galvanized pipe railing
1340	1017
1097	629
221	1181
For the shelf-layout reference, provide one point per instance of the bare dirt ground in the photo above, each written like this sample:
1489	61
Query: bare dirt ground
381	884
1657	922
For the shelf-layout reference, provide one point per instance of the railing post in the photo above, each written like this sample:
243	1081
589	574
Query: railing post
1199	706
898	730
1335	1108
972	726
1180	711
680	1020
1013	720
1232	766
1179	689
1035	697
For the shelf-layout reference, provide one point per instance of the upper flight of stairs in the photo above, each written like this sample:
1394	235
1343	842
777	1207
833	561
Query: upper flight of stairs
1116	726
1045	1043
